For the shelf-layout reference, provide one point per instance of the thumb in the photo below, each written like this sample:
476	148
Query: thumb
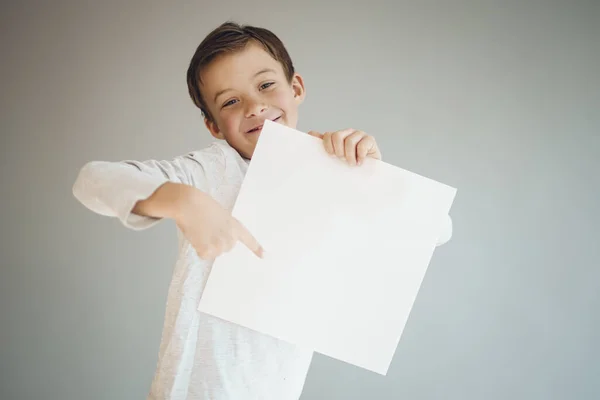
315	134
249	241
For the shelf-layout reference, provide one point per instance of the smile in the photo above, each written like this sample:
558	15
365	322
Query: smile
259	127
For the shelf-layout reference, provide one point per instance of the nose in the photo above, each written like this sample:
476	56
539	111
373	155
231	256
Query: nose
254	107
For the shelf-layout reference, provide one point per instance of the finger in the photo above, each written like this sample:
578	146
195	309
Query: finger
226	245
363	148
327	142
315	134
204	252
249	241
216	249
374	151
350	144
337	139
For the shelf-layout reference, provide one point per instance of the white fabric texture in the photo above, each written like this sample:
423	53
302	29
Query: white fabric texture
200	357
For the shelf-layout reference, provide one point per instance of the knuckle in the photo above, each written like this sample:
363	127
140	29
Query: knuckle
224	241
204	252
217	246
231	230
234	229
354	139
228	245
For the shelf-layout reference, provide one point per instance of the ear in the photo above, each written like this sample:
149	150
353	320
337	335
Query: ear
213	128
298	88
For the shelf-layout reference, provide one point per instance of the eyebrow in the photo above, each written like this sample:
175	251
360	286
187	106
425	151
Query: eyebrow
262	71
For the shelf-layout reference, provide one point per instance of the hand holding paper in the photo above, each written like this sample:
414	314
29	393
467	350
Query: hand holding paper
349	144
348	249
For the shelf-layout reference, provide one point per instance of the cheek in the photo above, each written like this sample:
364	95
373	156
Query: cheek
230	122
284	99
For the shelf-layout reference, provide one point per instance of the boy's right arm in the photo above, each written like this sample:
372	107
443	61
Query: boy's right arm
140	194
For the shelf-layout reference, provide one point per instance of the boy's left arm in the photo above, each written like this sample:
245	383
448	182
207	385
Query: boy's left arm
354	146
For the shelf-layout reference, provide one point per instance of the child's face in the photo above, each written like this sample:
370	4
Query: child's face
245	88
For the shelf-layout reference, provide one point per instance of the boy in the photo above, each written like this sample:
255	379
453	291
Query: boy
239	76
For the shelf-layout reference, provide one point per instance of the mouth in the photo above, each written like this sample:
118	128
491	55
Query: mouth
259	127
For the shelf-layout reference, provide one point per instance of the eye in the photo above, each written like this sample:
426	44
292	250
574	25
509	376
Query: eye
229	103
266	85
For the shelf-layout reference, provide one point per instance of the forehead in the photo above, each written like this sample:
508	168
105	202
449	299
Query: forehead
233	69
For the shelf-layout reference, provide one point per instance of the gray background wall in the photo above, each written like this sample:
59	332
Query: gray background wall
497	98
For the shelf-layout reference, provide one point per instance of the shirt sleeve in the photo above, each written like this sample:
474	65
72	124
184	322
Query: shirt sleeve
446	233
113	188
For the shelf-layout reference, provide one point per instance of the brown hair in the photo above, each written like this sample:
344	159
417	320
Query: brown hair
226	38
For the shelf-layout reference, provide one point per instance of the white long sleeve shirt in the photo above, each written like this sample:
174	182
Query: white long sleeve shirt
200	357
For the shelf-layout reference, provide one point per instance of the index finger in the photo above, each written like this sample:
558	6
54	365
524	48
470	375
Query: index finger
249	240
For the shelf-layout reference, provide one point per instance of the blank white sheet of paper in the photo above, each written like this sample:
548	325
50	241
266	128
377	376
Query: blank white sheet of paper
347	248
